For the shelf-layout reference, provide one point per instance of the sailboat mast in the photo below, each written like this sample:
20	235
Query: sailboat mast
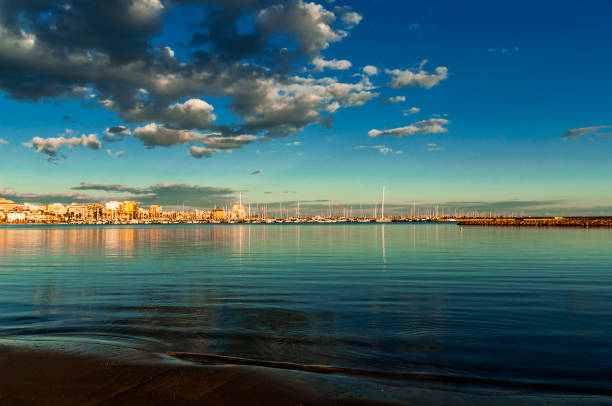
382	209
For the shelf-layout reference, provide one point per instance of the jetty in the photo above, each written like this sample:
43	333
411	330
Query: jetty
584	222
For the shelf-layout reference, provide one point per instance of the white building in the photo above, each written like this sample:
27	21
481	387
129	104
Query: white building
14	217
113	205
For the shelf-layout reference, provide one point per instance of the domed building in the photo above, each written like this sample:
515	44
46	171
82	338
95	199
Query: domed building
238	212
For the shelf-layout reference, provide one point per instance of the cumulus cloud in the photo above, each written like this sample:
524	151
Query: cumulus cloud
50	146
116	133
3	142
411	111
283	107
338	64
420	78
117	154
201	152
394	99
155	135
145	10
309	23
252	54
594	130
192	114
257	172
370	70
383	149
430	126
294	144
351	19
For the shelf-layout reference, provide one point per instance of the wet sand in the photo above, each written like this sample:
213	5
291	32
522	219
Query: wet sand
32	377
38	376
41	377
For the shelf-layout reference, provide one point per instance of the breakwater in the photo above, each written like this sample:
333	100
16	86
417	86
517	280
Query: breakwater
585	222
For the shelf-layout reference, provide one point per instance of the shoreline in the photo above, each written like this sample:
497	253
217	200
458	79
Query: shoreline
258	222
45	374
509	222
534	222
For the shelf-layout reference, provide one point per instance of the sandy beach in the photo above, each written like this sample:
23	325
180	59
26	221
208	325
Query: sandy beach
43	377
38	375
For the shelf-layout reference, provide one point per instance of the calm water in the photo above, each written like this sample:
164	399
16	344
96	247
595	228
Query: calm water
513	304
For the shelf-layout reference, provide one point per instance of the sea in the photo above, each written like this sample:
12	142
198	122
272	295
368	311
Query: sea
524	306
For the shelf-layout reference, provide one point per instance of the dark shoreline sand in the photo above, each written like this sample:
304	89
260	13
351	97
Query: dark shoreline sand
40	376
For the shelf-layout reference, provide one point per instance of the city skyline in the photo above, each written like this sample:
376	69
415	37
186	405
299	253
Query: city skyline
476	106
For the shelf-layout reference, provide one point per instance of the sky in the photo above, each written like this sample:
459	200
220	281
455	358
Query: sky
496	106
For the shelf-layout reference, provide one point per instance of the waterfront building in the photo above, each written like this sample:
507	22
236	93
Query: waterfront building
31	207
113	205
77	211
155	211
7	205
129	210
16	217
238	212
201	214
56	209
217	214
95	211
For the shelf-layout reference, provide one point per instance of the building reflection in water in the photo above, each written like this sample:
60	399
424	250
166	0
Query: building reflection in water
285	292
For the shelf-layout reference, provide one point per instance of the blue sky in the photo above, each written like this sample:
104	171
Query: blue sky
519	76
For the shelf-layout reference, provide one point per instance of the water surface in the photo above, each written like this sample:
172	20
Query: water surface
533	305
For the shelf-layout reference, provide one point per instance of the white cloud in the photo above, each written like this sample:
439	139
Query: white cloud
144	11
420	78
394	99
370	70
201	152
383	149
348	94
321	64
167	53
228	142
155	135
351	19
192	114
196	111
50	146
139	80
3	141
411	111
294	144
430	126
309	23
117	154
